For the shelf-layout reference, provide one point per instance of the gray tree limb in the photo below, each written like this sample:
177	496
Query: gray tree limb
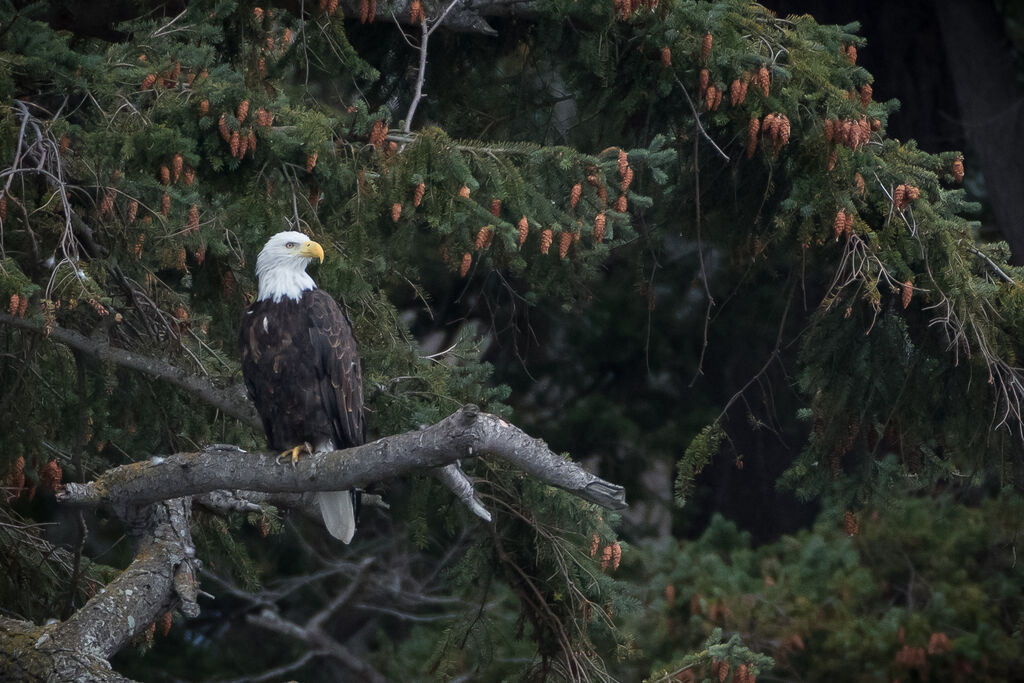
464	434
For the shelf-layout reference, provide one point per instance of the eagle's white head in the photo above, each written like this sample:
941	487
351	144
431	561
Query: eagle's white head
281	266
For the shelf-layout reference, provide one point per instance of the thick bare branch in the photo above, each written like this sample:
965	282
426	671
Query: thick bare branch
466	433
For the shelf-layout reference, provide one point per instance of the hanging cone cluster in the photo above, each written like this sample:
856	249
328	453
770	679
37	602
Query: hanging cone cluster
906	293
148	82
378	133
738	90
264	118
712	98
599	227
546	238
939	644
367	11
847	132
575	194
851	53
719	670
842	225
415	12
467	261
703	80
753	128
396	212
744	675
524	230
51	476
18	305
958	170
484	237
903	195
776	128
417	195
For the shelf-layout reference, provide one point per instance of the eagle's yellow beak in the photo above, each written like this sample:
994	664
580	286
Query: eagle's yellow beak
312	250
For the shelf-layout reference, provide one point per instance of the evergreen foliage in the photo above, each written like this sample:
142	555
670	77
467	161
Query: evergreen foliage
580	167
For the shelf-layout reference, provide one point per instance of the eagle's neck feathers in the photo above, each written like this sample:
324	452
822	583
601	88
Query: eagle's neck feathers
282	276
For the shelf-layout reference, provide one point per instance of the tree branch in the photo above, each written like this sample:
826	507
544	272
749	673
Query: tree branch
464	434
231	401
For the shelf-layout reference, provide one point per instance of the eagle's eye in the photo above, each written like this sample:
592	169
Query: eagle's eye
289	245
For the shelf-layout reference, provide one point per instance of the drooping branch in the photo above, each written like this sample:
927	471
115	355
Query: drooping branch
464	434
231	400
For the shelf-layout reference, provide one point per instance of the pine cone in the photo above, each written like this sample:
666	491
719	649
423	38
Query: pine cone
314	197
606	557
65	142
148	82
850	524
165	205
876	124
364	11
705	47
865	94
200	255
703	80
899	197
599	225
193	220
464	192
235	144
222	126
415	12
594	543
251	147
524	230
723	671
243	111
261	67
133	210
666	57
396	212
753	128
848	227
620	204
417	195
23	307
166	618
839	224
495	207
467	261
311	162
623	162
709	97
627	178
832	158
378	133
204	107
670	595
958	170
764	80
736	93
851	54
165	175
546	237
257	13
15	303
50	476
830	130
176	165
906	293
616	555
332	7
564	242
484	237
939	644
575	194
107	205
858	181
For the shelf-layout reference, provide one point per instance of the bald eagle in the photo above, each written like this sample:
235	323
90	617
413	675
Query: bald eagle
301	366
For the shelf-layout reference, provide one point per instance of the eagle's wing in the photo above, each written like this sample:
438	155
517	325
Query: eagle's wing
338	371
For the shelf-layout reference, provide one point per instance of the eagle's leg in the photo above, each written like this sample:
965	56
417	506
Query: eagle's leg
293	453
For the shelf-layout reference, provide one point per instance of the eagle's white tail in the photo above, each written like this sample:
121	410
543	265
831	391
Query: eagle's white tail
339	516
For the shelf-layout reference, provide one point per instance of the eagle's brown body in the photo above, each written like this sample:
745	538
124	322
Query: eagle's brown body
301	367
